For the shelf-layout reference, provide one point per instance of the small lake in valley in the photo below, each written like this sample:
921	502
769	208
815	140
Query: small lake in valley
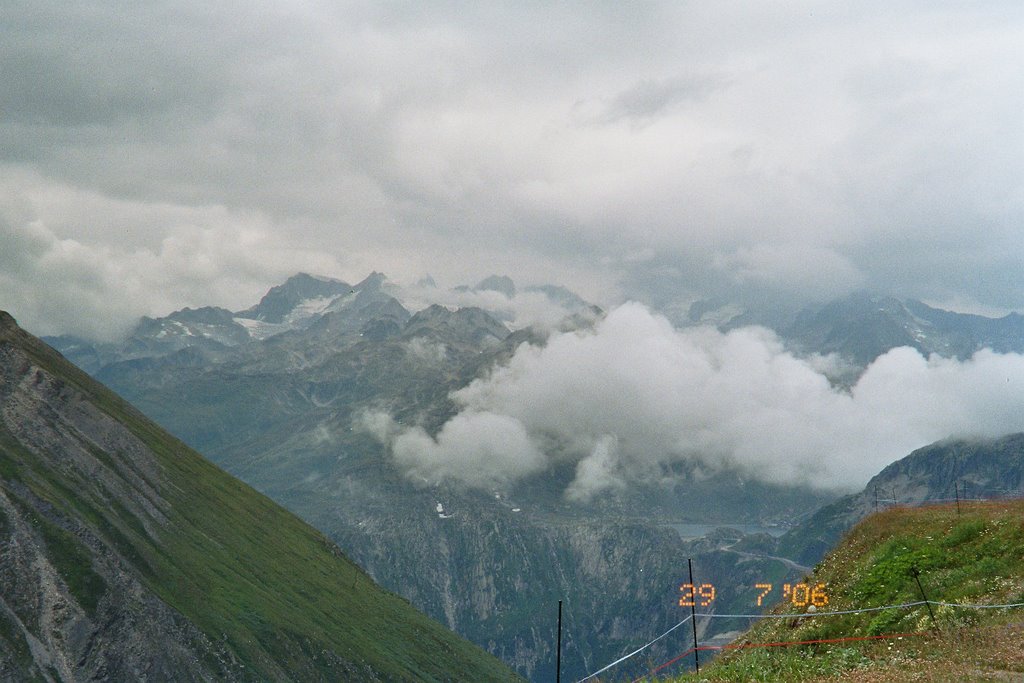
691	531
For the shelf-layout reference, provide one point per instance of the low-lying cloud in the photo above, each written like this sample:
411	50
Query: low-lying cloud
529	307
634	395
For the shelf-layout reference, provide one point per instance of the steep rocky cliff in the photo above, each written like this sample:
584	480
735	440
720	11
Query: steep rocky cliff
497	579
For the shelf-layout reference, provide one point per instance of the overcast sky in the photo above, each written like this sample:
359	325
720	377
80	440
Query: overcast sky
155	155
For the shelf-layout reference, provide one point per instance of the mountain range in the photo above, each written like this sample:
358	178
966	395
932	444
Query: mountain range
277	395
863	326
283	412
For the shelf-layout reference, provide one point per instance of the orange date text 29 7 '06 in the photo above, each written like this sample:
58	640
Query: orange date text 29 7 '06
800	594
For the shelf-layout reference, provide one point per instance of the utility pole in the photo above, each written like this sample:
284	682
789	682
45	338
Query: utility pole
927	603
558	649
693	615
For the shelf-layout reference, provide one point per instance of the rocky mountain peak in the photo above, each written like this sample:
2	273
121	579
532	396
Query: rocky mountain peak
279	301
372	281
210	315
301	278
431	312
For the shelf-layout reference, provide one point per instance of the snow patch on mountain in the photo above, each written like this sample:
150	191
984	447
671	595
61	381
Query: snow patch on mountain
260	330
307	309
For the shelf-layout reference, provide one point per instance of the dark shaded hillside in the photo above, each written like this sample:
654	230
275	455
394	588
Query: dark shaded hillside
499	578
125	555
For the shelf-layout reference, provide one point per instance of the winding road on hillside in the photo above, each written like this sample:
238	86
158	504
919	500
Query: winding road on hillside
789	563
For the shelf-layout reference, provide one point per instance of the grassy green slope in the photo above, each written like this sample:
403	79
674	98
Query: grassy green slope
976	557
275	591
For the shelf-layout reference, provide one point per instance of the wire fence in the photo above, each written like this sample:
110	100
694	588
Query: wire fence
963	492
818	641
957	492
802	615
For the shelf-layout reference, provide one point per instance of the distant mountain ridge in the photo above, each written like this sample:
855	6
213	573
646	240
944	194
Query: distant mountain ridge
327	305
863	326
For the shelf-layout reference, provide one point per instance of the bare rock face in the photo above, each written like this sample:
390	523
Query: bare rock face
111	628
7	323
71	604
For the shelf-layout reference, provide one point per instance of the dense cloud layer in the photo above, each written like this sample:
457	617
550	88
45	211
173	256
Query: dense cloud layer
98	288
517	309
634	394
663	150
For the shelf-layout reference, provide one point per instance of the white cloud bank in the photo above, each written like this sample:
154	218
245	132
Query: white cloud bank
524	308
210	255
635	394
